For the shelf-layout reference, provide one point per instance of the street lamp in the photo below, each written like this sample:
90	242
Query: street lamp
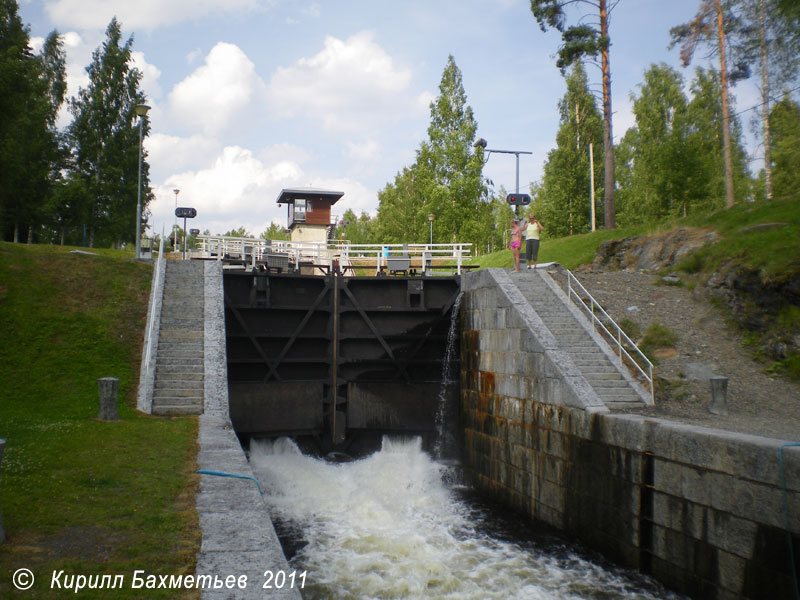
431	217
141	112
175	226
481	143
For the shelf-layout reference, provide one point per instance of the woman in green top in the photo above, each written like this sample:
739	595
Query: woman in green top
532	229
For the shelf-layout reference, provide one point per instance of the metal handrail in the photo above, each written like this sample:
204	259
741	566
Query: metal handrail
326	252
620	334
155	292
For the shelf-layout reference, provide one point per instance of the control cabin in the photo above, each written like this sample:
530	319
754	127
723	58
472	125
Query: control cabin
309	212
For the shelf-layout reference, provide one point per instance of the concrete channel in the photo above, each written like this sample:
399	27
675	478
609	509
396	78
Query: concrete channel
706	512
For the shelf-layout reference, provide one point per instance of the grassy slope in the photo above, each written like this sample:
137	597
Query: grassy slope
78	494
775	252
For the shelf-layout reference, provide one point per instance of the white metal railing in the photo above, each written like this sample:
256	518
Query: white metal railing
584	300
154	294
349	256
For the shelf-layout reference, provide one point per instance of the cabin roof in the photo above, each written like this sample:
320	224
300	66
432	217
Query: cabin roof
289	195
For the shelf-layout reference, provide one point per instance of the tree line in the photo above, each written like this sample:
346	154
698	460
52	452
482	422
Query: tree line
683	155
78	185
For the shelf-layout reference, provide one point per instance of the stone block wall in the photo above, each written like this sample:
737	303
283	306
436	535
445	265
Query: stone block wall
702	510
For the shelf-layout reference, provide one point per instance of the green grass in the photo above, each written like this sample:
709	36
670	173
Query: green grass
774	251
763	237
569	251
78	494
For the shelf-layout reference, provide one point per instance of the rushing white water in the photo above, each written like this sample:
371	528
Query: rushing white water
388	526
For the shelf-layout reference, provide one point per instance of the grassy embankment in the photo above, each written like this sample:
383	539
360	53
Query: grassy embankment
762	237
775	252
77	494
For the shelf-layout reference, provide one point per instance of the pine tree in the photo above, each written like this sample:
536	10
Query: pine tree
581	42
712	25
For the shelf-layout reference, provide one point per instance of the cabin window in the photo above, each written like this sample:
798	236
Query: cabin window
300	207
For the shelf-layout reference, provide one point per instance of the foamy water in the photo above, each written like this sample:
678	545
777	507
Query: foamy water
388	526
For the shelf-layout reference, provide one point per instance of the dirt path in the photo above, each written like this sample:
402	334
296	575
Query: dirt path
758	403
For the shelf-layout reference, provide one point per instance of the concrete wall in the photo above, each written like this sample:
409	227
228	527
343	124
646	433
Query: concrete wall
700	509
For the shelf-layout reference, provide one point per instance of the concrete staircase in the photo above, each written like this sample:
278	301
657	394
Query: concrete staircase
593	363
179	377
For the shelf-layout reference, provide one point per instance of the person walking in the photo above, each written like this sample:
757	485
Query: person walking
532	230
516	243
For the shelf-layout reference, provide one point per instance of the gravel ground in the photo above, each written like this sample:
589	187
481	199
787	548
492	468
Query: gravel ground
758	403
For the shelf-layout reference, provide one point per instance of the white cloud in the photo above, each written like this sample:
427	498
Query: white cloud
225	87
144	14
192	57
150	75
365	150
313	10
238	189
167	153
350	85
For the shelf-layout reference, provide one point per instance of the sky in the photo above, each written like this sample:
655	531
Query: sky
249	97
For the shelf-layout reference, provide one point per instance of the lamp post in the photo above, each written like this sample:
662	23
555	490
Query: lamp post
141	111
431	217
481	143
175	226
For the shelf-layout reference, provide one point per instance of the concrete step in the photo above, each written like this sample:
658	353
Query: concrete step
179	361
171	385
180	354
195	359
178	393
609	376
181	335
173	304
575	339
177	411
618	395
187	374
600	369
624	405
615	384
169	346
181	322
590	362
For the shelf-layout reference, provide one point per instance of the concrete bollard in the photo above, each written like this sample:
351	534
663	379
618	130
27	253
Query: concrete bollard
719	395
108	387
2	531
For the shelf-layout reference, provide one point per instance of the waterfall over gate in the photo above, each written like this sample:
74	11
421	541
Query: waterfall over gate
337	360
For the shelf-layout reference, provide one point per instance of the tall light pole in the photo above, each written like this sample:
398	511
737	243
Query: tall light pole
431	217
481	143
175	226
141	111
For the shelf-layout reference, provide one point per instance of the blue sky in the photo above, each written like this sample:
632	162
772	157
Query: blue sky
252	96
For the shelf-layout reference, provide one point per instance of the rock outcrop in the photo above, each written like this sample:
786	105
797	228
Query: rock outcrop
766	307
652	252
